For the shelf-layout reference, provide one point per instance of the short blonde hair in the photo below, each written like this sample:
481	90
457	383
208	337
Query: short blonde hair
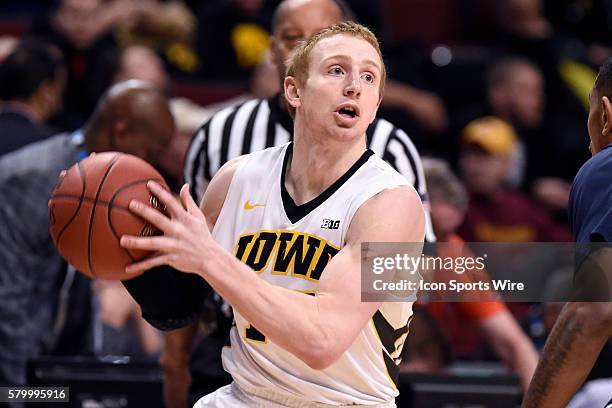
298	62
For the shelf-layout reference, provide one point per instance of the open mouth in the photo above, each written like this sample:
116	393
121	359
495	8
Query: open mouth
348	111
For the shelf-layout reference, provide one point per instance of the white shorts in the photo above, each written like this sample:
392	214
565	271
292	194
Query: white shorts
232	396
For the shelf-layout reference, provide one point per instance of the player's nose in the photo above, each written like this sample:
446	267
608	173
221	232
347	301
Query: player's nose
353	85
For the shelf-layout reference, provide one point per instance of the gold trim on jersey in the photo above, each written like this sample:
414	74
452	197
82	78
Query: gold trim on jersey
384	356
392	341
254	333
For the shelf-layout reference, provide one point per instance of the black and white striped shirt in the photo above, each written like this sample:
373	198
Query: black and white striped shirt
260	123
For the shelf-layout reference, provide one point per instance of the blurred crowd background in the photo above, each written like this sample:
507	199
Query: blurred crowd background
528	62
495	93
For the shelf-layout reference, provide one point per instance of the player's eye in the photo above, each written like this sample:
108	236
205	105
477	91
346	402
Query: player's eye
368	77
336	70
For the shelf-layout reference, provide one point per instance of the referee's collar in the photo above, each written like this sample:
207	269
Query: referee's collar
281	115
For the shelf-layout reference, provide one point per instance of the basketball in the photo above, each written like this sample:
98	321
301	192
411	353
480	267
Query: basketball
88	213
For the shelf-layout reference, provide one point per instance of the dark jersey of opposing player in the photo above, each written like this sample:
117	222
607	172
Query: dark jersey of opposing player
590	202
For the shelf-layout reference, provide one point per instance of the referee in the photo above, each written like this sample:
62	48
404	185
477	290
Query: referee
244	128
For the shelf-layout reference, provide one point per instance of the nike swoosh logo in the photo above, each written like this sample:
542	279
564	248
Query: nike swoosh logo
249	206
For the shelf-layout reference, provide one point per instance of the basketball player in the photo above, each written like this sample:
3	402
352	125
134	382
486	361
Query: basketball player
582	329
296	216
241	129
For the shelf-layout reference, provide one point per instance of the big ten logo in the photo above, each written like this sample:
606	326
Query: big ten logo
330	224
303	255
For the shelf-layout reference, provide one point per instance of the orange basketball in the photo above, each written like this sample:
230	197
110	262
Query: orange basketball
88	213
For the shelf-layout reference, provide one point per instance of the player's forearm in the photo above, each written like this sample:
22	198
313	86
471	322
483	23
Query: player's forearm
290	319
571	349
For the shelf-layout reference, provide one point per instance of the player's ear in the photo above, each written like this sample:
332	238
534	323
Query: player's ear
292	91
606	116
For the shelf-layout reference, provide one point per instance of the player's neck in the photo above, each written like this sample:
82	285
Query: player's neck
315	166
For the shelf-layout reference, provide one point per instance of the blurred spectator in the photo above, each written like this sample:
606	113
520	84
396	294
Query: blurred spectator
525	19
167	27
83	31
466	324
32	80
156	23
140	62
497	212
44	304
526	32
232	38
515	92
124	331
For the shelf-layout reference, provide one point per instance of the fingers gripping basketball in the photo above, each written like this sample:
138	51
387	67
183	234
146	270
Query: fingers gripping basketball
88	212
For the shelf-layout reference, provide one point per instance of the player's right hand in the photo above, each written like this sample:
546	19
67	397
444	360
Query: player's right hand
186	240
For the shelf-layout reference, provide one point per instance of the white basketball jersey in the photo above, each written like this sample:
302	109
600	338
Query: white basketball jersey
289	246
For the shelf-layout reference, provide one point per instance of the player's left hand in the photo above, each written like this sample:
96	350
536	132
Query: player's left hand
186	234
